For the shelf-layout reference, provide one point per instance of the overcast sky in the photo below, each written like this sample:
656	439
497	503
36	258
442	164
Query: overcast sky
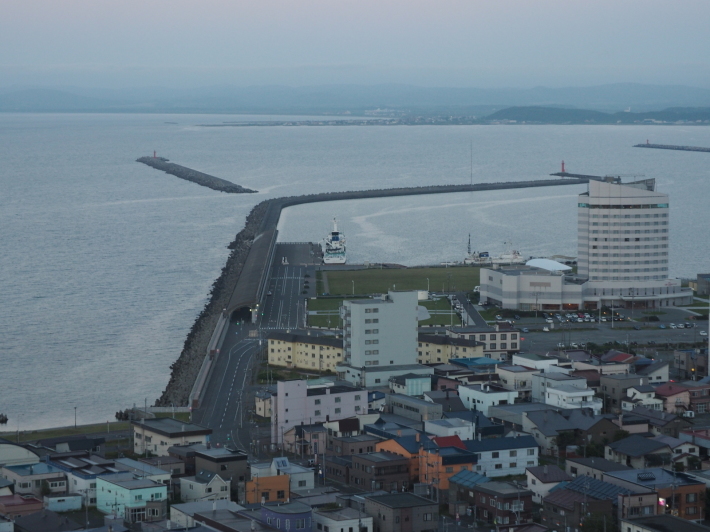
473	43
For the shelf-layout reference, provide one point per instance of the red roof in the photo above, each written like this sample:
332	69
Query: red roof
449	441
669	389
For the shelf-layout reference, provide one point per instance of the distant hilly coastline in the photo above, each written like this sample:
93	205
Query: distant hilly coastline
551	115
394	104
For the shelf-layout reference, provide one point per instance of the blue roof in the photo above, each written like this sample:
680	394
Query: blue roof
596	488
373	396
500	444
474	362
40	468
559	486
410	443
468	479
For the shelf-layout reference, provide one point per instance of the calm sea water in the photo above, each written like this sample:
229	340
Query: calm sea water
105	262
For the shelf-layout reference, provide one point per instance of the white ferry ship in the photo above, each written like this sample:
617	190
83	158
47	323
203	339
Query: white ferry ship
483	258
334	246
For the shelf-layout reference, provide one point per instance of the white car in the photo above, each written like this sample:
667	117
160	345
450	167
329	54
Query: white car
672	326
703	333
550	320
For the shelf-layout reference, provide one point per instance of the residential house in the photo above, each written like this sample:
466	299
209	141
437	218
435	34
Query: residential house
499	457
503	503
517	378
613	388
133	499
262	403
565	509
182	515
296	402
342	519
592	377
636	451
82	470
380	470
542	380
679	494
433	349
411	384
412	407
448	399
300	349
230	464
675	397
45	521
289	516
482	426
691	363
410	448
15	505
299	477
29	479
347	445
541	479
156	436
538	362
398	512
204	486
67	444
593	467
450	427
656	372
511	416
483	396
699	396
460	489
641	395
564	396
661	423
437	466
272	488
305	440
682	452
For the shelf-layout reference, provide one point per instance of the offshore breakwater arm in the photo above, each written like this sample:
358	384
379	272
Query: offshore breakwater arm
239	283
206	180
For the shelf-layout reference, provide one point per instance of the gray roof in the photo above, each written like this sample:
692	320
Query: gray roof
654	478
172	427
650	368
636	446
601	464
401	500
190	508
550	422
500	444
668	523
306	338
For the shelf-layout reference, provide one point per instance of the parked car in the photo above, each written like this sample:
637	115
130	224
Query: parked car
689	413
703	333
525	329
661	326
499	317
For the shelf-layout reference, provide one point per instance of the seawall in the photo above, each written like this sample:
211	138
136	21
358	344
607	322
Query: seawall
265	217
206	180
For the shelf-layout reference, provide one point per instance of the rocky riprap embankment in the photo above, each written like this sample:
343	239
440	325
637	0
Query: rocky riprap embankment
206	180
185	369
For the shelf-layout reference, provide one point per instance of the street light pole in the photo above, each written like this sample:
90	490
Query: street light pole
74	417
353	287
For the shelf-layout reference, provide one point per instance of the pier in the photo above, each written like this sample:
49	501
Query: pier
206	180
241	287
671	147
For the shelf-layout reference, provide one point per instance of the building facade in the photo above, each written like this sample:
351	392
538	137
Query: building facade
302	350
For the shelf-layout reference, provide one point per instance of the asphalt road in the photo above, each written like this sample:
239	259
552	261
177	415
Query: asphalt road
228	398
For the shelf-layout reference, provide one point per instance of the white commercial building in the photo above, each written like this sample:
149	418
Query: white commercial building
622	257
450	427
483	396
566	396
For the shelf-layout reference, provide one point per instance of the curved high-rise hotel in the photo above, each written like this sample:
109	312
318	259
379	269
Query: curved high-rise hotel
623	246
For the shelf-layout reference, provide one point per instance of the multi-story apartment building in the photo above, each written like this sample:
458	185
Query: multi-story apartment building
500	457
381	331
396	512
380	470
296	403
300	349
438	349
156	436
622	259
500	342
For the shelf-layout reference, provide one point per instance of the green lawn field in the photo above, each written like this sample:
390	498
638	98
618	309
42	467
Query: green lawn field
378	281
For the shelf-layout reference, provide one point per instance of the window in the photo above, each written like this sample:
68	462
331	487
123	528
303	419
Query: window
337	399
513	464
691	497
357	397
317	401
317	412
427	517
496	454
281	494
513	453
337	410
499	466
531	452
301	483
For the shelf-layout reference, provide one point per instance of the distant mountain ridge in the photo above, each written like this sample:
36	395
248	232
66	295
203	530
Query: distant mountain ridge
353	99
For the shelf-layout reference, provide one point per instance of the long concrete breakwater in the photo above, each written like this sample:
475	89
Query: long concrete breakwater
672	147
188	174
242	280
